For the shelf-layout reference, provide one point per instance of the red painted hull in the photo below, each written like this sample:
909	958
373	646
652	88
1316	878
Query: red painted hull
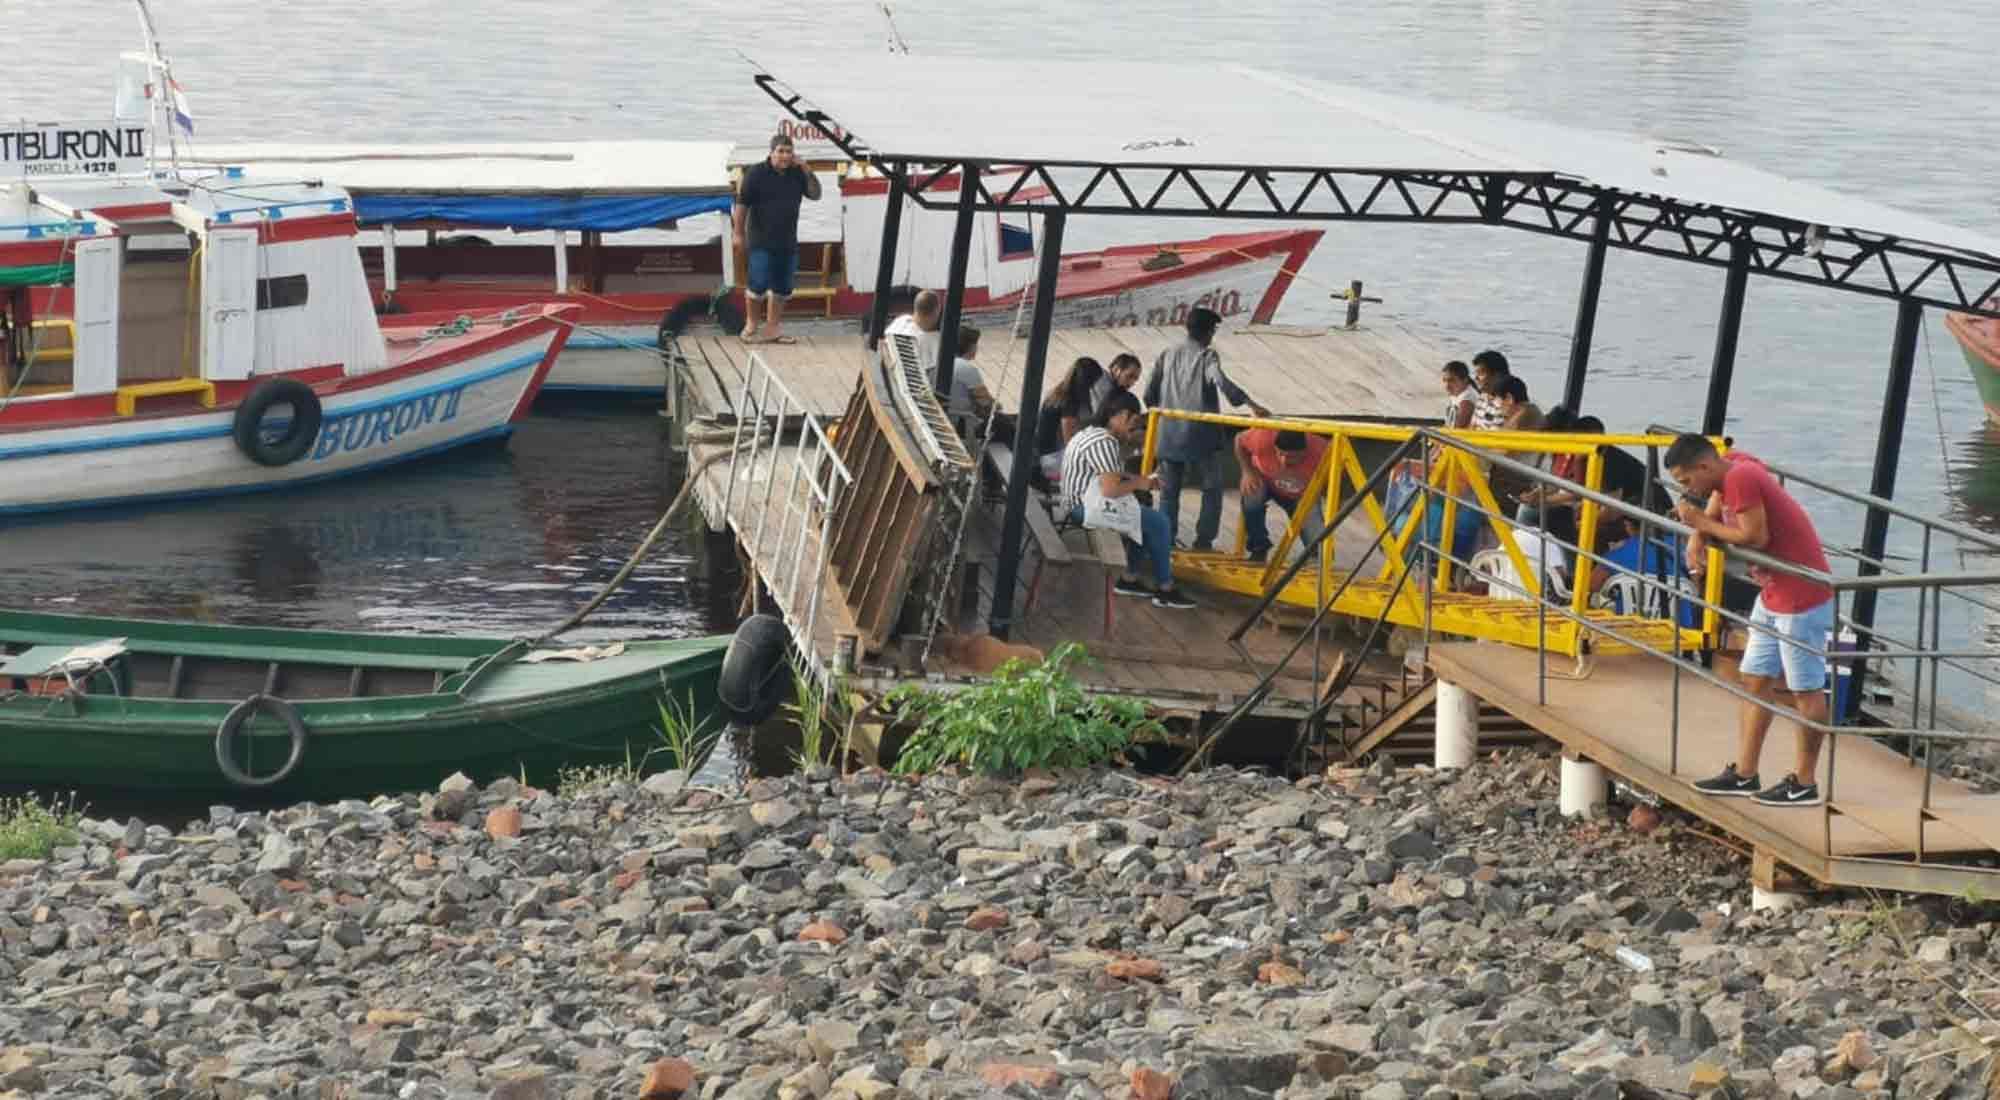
1084	275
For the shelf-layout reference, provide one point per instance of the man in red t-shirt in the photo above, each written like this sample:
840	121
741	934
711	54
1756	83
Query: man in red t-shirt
1791	622
1277	467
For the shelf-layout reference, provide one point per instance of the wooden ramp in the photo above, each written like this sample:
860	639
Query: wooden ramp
1875	830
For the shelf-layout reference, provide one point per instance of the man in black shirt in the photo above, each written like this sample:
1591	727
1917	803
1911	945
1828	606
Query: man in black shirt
768	200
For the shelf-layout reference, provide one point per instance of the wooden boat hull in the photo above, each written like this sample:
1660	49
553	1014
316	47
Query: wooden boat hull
516	720
1244	277
74	454
1979	338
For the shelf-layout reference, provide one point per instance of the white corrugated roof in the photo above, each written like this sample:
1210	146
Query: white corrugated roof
581	167
1160	115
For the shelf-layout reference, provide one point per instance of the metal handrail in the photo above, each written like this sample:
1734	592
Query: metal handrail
815	463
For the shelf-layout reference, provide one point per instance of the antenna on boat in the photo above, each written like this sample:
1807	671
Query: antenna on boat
164	103
896	43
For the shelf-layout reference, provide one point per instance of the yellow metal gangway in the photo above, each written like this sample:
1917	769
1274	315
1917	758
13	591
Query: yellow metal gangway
1443	481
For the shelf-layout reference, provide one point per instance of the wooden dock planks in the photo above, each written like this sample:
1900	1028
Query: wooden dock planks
1620	716
1374	369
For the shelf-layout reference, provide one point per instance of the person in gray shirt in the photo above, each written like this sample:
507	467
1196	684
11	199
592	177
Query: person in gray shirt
1189	377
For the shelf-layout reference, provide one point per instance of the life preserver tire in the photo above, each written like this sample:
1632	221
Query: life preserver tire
727	317
232	724
300	431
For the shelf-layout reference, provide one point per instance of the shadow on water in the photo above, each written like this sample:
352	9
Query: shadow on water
499	539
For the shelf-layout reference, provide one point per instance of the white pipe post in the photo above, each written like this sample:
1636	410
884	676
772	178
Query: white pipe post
1583	786
1773	901
562	261
1457	726
388	261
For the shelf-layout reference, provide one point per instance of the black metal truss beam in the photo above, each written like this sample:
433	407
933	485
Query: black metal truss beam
1844	259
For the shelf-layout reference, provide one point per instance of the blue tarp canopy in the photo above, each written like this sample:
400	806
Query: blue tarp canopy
605	213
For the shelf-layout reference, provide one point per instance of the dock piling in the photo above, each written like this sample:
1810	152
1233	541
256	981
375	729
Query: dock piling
1583	786
1457	726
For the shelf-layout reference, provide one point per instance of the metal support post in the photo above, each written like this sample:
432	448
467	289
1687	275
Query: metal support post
1586	308
1882	483
1722	367
954	291
885	264
1026	446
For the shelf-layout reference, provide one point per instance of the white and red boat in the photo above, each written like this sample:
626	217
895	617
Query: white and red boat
635	235
168	333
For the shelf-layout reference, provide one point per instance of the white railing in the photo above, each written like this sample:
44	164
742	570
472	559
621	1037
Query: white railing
793	564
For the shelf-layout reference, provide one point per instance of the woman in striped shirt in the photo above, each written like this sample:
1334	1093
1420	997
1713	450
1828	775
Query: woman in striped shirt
1095	461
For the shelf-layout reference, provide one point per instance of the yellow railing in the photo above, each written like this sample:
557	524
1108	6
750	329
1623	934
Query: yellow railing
1453	474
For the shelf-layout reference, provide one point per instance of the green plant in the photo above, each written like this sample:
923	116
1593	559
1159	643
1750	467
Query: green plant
32	829
1025	716
818	709
684	737
574	780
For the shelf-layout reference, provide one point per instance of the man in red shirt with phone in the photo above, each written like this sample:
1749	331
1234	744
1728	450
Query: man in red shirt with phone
1789	626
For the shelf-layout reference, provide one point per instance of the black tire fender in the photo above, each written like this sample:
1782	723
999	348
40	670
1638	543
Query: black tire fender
299	434
232	724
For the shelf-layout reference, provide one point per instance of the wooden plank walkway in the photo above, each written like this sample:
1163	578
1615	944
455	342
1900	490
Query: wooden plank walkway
1374	369
1870	831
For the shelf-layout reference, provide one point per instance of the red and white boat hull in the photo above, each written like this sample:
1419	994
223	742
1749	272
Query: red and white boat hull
473	387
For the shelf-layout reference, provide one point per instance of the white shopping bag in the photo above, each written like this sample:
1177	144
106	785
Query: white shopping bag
1120	514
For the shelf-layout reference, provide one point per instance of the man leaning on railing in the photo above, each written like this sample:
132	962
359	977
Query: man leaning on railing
1789	626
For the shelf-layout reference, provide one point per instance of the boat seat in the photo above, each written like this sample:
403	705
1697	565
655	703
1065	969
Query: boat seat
71	662
130	396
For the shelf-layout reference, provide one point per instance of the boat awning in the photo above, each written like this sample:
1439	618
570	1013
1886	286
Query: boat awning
609	186
1233	141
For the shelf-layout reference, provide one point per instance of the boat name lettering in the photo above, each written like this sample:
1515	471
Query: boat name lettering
1121	311
362	430
74	149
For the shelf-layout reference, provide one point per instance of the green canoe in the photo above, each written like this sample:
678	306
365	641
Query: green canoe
123	705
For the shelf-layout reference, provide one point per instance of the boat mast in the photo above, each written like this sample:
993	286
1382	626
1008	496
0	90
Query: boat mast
160	104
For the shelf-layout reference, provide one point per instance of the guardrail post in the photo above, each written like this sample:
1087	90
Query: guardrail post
1586	307
954	287
885	263
1722	367
1000	616
1882	483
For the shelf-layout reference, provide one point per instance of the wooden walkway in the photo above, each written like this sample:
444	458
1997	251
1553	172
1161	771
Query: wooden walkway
1174	659
1375	369
1874	831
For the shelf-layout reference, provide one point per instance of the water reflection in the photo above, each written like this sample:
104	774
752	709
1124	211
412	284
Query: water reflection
493	539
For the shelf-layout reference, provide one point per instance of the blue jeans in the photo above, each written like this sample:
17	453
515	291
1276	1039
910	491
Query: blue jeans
1786	654
773	269
1174	474
1158	546
1258	539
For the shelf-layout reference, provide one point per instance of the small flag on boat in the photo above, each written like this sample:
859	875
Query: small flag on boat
178	104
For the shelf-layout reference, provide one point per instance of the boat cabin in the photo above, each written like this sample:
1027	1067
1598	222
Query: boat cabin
644	223
146	288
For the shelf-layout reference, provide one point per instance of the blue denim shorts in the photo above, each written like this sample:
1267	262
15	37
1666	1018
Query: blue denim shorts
773	269
1799	656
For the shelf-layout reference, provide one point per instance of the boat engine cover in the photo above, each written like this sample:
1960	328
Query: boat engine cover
754	673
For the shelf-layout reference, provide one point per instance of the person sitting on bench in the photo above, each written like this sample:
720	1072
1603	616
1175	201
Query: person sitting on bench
1097	492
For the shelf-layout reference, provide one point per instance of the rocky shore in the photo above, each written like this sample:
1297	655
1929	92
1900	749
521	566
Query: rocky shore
1378	934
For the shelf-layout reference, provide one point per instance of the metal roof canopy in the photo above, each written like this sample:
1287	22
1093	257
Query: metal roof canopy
1229	141
1225	141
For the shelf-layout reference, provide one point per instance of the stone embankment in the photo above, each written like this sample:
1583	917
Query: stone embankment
1381	935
